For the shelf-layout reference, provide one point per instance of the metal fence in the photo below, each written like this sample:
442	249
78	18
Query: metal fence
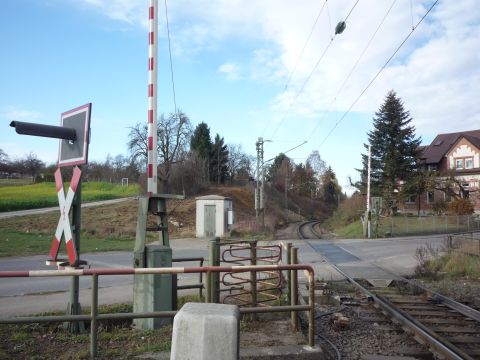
94	317
413	225
465	243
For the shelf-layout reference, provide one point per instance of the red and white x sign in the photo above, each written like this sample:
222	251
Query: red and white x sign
63	226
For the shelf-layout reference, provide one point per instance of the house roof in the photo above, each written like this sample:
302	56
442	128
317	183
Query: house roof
212	197
433	153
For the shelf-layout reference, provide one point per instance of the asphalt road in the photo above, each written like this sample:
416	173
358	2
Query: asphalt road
20	296
9	214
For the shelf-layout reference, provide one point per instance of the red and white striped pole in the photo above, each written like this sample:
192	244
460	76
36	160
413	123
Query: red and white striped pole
152	97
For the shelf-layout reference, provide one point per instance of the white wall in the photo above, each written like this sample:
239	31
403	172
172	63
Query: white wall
221	216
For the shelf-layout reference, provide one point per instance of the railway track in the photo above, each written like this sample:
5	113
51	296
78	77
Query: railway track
450	330
306	230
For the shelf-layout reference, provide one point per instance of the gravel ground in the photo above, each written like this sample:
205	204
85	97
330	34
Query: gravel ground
369	331
464	290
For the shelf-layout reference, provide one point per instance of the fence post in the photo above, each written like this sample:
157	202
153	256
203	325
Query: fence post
210	276
289	273
253	274
216	282
94	312
294	290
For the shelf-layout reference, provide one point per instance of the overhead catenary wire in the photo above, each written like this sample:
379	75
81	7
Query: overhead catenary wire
305	82
171	62
285	152
378	73
287	83
304	46
345	81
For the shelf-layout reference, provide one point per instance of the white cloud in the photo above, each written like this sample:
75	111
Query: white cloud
436	72
230	70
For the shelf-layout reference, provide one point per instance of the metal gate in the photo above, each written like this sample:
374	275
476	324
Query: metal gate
259	288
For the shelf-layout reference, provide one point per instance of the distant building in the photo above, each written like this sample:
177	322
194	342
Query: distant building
459	154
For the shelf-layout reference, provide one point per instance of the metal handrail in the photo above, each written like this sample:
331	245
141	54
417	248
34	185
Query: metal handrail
94	316
200	286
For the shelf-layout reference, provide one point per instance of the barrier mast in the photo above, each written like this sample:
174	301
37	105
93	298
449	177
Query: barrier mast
152	97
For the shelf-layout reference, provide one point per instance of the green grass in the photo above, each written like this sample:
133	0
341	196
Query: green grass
351	231
116	338
45	194
14	243
462	265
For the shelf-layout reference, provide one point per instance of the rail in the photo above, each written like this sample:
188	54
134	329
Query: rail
94	317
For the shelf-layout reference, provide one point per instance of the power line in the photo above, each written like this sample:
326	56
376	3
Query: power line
354	66
304	46
300	55
378	73
171	62
284	152
311	73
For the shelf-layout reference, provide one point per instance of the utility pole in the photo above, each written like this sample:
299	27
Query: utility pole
368	189
259	190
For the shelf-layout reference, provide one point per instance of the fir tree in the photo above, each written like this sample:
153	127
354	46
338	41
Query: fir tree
394	150
219	160
200	141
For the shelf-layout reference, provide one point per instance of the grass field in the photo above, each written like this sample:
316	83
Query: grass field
44	194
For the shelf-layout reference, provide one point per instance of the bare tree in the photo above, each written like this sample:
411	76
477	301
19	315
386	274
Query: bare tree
4	162
236	157
32	164
138	142
173	135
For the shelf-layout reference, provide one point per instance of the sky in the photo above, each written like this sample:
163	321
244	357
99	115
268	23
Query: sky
244	67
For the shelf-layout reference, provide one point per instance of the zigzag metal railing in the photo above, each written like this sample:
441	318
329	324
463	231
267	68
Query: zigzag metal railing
262	288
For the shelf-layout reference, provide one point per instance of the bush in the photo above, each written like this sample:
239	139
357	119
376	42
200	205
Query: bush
439	207
428	265
348	212
461	207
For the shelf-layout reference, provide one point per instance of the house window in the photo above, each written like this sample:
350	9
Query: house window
411	199
469	163
432	167
430	197
459	164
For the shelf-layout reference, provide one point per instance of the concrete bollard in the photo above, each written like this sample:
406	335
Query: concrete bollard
206	331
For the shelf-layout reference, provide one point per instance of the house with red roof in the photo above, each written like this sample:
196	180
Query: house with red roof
458	154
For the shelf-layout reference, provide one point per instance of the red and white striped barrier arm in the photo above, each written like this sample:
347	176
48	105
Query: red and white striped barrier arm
152	97
143	271
63	226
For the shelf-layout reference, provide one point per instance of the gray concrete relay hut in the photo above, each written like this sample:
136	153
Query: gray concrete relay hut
214	215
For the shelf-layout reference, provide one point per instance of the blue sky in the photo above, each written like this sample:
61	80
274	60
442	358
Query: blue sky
232	60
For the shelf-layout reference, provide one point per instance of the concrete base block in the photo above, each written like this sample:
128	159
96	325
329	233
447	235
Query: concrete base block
206	331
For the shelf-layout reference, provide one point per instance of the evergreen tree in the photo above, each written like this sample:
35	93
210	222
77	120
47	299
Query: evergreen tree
330	190
394	150
200	141
218	160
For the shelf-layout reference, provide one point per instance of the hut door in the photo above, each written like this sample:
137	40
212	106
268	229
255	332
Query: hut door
209	220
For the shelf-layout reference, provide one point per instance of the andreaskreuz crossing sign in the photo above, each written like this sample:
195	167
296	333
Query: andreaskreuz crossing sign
64	227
